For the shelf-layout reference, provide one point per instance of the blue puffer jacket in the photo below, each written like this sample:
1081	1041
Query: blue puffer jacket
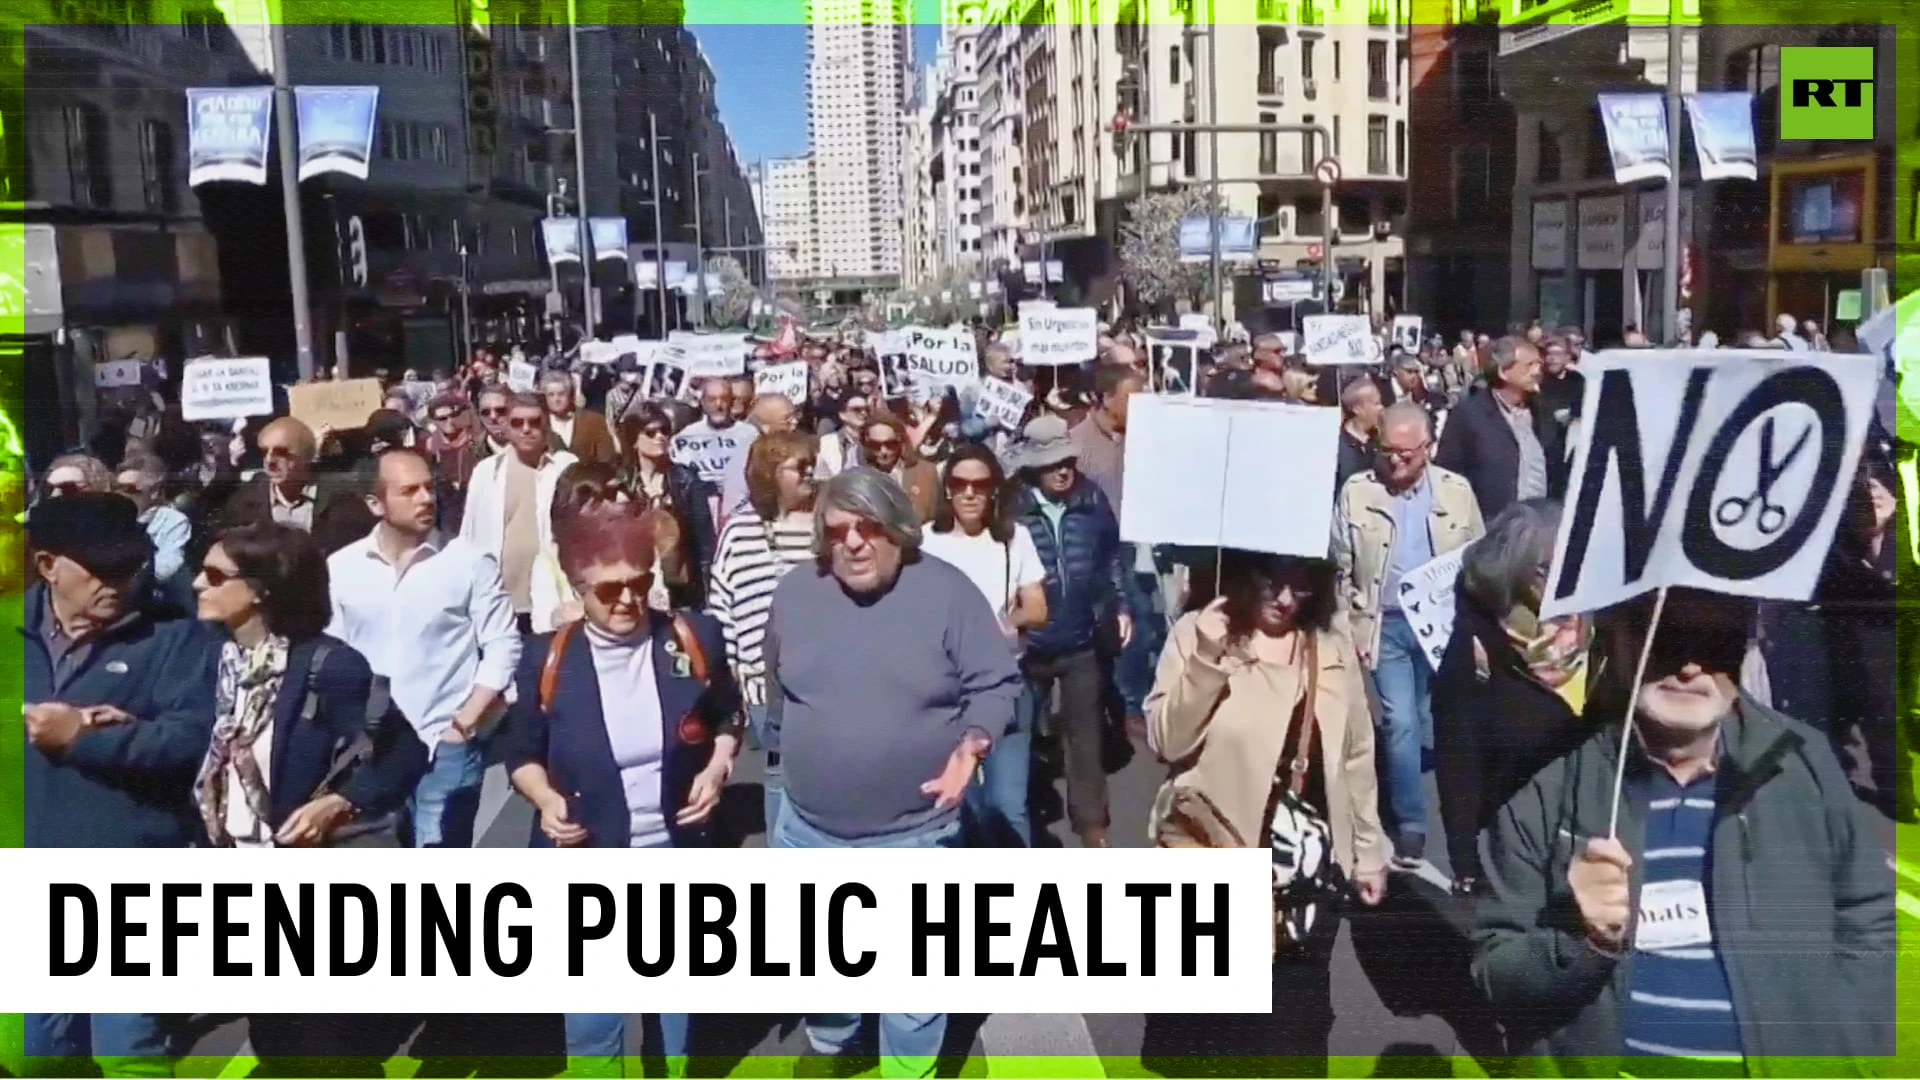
1085	584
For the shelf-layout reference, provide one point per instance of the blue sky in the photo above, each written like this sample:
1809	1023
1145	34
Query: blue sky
762	76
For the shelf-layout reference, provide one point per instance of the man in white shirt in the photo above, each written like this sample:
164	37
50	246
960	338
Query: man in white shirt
509	512
428	612
709	443
770	412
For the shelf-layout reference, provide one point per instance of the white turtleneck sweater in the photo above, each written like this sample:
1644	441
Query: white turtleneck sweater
630	701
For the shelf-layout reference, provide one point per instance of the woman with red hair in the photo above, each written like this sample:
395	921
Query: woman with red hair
624	728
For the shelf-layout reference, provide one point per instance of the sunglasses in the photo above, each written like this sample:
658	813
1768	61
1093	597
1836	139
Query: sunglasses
804	466
1403	453
216	576
273	452
501	411
71	487
653	433
612	592
525	423
883	444
869	531
126	489
958	486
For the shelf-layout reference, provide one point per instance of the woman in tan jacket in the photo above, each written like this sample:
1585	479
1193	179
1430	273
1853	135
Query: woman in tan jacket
1228	706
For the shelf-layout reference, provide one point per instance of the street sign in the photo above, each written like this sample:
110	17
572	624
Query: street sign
1327	172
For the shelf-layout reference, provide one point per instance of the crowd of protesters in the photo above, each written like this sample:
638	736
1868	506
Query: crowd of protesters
270	635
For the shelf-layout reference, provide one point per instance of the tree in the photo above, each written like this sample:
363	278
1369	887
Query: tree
732	303
1150	248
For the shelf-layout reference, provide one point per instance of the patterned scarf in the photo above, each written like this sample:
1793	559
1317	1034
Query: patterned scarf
248	686
1554	652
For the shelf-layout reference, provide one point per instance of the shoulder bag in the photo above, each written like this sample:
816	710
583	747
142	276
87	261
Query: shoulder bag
378	830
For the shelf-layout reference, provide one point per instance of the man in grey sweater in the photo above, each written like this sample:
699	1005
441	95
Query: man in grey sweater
888	678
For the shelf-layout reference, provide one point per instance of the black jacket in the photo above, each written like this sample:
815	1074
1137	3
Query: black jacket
692	500
340	514
1480	445
303	750
1355	457
1491	735
1085	579
1801	903
130	784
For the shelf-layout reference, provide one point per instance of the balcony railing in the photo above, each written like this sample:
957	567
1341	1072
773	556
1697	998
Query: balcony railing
1271	11
1380	12
1310	13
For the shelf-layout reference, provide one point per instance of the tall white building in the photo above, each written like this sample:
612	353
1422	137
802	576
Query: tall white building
1002	106
786	215
920	260
956	135
859	74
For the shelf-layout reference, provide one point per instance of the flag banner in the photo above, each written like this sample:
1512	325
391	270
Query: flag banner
336	128
1637	136
563	239
1236	238
227	134
609	237
1723	134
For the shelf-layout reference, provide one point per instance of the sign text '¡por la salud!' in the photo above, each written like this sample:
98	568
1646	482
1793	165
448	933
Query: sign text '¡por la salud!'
707	917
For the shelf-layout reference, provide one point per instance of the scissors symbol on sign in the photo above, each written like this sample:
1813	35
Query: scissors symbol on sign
1772	516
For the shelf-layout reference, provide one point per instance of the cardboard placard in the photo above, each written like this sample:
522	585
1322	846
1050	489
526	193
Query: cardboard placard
340	405
1407	330
1001	403
117	373
948	357
787	380
1426	596
711	356
1725	469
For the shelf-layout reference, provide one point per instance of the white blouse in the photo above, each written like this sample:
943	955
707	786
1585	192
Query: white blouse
630	703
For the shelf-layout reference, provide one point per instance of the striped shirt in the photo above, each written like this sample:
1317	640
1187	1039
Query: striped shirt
1679	1017
748	561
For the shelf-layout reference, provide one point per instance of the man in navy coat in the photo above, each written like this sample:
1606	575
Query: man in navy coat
119	710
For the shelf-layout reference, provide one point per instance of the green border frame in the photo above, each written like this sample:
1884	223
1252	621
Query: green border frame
14	17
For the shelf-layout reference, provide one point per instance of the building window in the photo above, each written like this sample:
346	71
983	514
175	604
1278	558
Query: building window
1472	183
1400	148
1307	149
1306	58
337	41
1269	146
1547	168
156	165
90	177
357	42
1376	145
1336	135
200	27
1599	155
1378	79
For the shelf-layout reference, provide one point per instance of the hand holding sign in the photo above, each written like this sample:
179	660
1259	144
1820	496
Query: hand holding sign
1602	891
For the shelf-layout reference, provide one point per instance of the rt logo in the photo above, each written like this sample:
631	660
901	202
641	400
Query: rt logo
1828	93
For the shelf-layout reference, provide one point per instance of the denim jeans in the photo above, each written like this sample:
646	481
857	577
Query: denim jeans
124	1044
1400	678
996	807
772	788
909	1042
597	1043
1133	670
447	799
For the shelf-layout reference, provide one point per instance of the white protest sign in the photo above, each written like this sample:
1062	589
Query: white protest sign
1197	321
948	357
1202	472
1051	337
788	380
711	356
1338	339
888	343
666	374
215	389
116	373
1426	599
1407	330
521	376
1001	403
1723	469
707	451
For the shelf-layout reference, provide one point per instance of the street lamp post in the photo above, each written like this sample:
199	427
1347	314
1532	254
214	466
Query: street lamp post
659	228
290	201
466	303
699	246
556	207
588	307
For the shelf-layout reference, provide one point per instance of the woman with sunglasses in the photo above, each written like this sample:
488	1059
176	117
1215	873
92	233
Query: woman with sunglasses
651	474
757	547
884	447
622	732
972	530
1259	711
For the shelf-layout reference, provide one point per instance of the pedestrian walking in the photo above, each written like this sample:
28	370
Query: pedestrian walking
509	512
1493	436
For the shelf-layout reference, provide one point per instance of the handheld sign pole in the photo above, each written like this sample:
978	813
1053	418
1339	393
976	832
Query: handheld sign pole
1633	708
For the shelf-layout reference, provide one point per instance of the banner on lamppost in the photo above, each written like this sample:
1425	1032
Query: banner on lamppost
609	237
227	134
562	235
1236	238
1636	135
336	128
1723	134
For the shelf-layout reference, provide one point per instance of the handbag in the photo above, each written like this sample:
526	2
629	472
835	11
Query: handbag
378	830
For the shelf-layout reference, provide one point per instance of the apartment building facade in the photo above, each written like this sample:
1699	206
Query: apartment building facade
1003	201
787	209
859	73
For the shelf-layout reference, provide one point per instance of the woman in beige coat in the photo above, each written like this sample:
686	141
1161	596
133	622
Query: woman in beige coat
1227	709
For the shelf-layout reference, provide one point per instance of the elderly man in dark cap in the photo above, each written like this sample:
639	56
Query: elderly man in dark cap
119	711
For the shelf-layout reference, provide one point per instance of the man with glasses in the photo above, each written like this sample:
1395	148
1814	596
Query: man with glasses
119	709
1389	521
509	512
454	450
879	754
1078	537
582	433
1497	438
290	491
840	450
